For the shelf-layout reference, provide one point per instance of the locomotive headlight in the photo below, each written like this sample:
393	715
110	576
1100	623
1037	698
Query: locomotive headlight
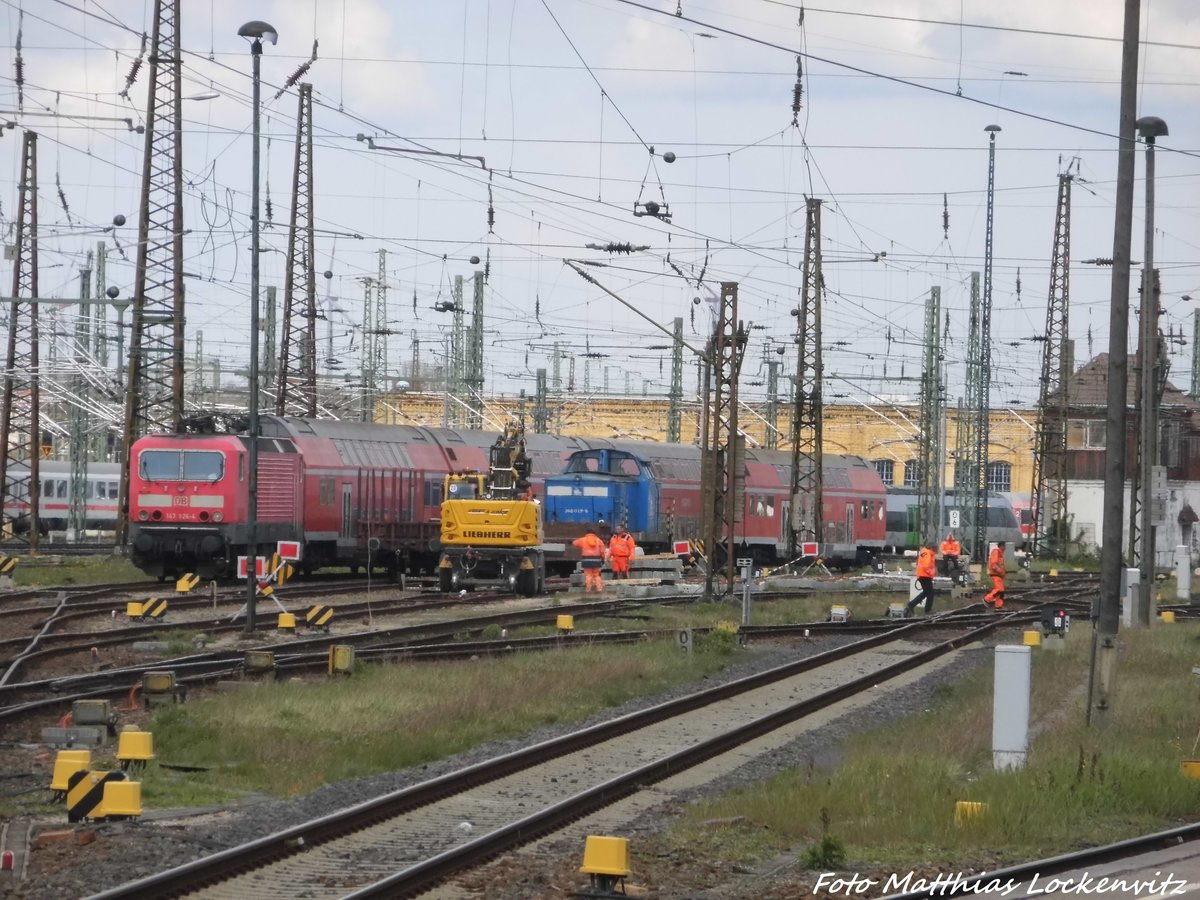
218	517
143	515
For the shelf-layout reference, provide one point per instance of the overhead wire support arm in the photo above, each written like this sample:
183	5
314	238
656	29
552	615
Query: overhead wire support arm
371	145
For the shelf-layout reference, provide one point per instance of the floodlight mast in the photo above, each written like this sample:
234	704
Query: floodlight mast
257	31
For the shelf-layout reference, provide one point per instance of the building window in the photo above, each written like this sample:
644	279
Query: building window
912	473
999	476
886	470
1094	435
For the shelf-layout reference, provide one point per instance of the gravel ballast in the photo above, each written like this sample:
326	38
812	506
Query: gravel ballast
161	839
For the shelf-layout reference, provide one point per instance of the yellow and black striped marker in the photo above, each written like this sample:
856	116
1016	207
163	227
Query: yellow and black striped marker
275	561
154	608
7	564
265	589
319	616
283	573
186	583
85	793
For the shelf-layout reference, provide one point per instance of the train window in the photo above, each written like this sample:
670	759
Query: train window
999	476
584	462
1001	517
866	509
203	465
433	494
54	488
159	465
174	465
325	491
623	465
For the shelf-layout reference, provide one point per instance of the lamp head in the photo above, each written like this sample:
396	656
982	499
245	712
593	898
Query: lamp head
258	31
1151	127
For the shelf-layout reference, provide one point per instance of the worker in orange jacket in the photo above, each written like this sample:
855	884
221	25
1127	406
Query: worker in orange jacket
995	597
926	569
951	549
621	547
592	549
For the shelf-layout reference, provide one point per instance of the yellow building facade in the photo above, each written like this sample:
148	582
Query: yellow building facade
885	435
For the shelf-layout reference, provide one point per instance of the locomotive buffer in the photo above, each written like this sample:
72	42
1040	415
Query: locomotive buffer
492	529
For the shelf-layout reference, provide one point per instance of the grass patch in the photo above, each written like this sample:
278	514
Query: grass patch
168	789
892	799
287	739
47	570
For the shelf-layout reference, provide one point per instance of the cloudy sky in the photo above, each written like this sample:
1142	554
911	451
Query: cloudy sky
574	106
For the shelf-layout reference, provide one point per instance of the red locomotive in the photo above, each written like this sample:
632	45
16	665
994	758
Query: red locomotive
358	494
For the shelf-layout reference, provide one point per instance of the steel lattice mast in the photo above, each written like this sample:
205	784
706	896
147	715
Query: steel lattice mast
983	410
78	412
298	348
474	361
379	348
1194	393
932	410
1049	499
723	444
675	397
458	354
99	348
966	478
20	417
154	393
367	410
771	412
806	484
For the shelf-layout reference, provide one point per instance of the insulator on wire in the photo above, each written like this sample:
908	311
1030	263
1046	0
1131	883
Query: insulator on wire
300	72
798	91
945	217
62	198
491	213
134	68
19	64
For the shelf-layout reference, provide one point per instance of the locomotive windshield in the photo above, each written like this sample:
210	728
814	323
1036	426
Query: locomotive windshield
605	462
181	465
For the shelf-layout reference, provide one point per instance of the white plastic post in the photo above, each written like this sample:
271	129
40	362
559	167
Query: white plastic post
1010	706
1183	573
1130	579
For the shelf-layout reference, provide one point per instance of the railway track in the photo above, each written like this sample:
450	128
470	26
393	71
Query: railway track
30	697
381	849
19	653
24	698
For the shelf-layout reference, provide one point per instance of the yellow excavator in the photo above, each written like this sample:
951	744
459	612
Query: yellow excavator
492	531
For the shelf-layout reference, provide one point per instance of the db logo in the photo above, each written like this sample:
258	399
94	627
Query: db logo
179	501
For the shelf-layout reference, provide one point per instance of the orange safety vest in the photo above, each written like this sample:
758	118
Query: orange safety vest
951	548
926	568
589	545
621	545
996	562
